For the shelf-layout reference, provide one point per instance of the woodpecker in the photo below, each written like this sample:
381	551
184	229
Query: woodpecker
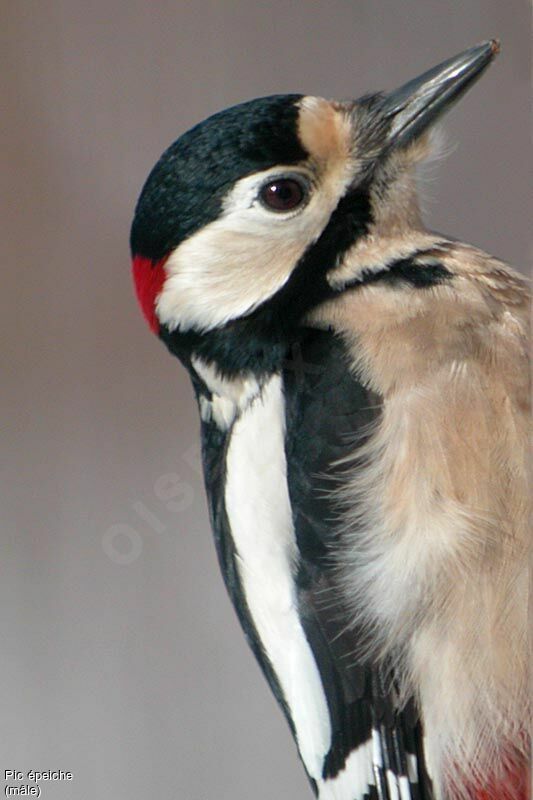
363	387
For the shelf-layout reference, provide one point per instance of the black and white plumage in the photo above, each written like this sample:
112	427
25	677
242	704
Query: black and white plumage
352	741
252	236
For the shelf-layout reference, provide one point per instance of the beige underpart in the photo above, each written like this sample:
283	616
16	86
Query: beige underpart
436	555
440	568
397	229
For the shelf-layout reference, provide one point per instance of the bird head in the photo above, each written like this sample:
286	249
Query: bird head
244	224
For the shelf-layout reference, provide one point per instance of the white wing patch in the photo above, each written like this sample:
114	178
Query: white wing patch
364	769
229	397
353	782
259	514
260	518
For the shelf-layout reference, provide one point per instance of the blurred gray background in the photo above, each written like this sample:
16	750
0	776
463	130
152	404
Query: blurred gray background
121	657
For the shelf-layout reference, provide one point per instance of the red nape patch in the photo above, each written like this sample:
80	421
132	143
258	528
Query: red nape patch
148	277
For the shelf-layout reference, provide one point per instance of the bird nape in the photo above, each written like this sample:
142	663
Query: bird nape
363	390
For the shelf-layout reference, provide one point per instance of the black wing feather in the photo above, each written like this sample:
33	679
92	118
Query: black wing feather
327	409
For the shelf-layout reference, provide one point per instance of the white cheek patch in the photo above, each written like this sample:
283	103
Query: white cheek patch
240	260
222	273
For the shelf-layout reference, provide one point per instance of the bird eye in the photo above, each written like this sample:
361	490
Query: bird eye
283	194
